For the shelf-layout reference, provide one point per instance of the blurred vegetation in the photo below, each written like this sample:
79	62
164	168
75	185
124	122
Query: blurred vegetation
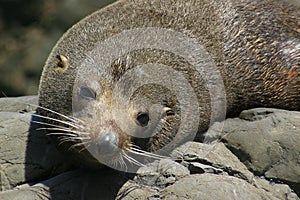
28	31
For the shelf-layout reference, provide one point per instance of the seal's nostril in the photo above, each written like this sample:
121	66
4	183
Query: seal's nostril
108	143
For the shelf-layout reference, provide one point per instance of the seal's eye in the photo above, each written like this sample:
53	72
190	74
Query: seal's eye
87	93
143	118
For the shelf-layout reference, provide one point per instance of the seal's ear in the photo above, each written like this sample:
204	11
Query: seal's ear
62	62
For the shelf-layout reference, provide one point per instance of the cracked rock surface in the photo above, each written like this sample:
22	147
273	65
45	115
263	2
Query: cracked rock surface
206	172
256	156
266	141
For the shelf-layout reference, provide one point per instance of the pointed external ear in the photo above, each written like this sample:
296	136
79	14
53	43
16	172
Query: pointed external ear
63	61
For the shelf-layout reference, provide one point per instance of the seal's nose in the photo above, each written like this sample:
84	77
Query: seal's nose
108	144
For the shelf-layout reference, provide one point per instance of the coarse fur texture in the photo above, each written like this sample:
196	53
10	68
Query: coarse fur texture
254	44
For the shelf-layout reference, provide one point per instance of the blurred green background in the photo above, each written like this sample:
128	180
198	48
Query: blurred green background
28	31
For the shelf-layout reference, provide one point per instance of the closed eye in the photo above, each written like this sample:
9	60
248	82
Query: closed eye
87	93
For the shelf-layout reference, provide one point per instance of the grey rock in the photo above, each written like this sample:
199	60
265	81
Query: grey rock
210	186
281	191
32	168
218	175
26	153
161	173
132	190
198	186
266	141
216	155
78	184
199	168
19	104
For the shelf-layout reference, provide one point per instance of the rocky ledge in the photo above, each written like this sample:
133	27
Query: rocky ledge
255	156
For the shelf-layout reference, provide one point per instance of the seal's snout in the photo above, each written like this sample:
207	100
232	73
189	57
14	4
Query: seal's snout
108	143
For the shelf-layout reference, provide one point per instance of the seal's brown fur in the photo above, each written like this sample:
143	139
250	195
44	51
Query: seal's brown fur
254	43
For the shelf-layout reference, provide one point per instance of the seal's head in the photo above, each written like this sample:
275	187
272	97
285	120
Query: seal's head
114	120
121	113
113	90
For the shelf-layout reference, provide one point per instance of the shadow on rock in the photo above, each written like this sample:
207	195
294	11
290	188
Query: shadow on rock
32	168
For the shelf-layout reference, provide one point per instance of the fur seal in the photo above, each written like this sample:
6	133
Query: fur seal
114	84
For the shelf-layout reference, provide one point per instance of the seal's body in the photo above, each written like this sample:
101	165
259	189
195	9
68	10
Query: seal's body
255	46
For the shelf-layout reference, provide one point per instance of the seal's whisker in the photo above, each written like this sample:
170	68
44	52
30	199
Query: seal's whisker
76	125
138	149
114	162
76	133
127	157
67	138
59	129
88	143
64	139
73	147
123	163
119	161
81	144
86	146
60	133
73	119
134	146
76	138
73	137
132	160
47	124
146	153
